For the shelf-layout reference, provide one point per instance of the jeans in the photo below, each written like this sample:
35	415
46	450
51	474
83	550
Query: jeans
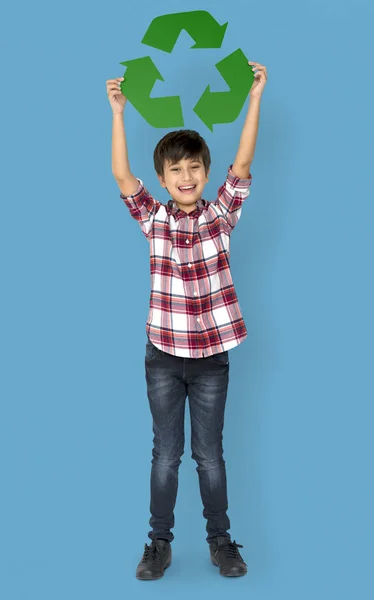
170	379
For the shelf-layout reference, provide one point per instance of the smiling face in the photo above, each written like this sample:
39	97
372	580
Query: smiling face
187	173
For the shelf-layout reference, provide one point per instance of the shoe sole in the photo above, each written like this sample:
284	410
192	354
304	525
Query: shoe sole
144	577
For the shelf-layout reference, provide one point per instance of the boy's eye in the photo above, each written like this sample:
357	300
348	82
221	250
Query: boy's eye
194	167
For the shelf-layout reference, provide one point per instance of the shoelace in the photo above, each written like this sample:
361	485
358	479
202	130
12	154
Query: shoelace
230	549
153	552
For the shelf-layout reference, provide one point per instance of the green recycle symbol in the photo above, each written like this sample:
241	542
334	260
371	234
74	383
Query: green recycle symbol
212	107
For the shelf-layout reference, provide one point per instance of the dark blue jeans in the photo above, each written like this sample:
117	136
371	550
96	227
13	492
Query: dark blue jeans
170	379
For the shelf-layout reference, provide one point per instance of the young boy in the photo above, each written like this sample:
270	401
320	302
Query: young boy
194	319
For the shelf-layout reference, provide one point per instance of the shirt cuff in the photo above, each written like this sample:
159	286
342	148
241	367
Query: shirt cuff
137	192
234	180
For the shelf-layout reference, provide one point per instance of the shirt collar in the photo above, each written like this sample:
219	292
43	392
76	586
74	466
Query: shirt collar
178	213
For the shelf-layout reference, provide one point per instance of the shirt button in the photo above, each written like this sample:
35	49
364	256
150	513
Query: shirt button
187	241
195	293
198	320
189	264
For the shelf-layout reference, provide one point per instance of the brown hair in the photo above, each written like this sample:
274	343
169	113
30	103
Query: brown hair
176	145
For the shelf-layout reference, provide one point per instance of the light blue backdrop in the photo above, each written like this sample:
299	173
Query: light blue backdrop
76	433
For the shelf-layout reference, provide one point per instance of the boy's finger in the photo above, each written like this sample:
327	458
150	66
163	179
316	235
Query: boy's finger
109	81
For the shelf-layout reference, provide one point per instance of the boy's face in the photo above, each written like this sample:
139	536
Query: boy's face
187	172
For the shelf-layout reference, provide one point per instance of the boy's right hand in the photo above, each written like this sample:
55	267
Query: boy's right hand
116	98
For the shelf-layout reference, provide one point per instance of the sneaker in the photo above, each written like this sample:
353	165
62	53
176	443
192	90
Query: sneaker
155	559
225	554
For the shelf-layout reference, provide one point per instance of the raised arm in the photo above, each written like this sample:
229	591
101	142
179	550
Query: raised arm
242	164
127	183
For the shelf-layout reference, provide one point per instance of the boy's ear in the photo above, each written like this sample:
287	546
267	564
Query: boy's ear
161	180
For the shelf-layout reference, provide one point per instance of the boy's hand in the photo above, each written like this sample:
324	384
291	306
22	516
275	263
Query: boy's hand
116	98
260	79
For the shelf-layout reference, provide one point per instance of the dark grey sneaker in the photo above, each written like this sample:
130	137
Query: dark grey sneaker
155	559
225	554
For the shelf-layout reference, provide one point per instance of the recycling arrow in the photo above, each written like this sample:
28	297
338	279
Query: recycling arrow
225	107
141	75
164	31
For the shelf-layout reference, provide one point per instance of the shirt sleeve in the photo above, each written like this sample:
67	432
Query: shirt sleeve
143	207
231	196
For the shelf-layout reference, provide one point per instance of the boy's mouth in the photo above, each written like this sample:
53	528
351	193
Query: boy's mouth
187	189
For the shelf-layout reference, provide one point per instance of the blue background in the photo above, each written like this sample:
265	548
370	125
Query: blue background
75	424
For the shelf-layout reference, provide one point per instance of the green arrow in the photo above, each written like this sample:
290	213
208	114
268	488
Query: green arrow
225	107
141	75
164	31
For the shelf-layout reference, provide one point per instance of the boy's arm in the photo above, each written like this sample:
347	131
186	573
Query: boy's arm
126	181
239	178
140	203
244	157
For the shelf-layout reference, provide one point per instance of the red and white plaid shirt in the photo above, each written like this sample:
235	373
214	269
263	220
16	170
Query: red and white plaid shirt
194	311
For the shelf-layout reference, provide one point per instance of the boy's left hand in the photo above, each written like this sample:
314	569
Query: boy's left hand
260	79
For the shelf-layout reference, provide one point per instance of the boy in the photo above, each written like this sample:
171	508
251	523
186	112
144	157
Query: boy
194	319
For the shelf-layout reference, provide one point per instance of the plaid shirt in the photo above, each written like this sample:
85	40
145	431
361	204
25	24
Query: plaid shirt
194	311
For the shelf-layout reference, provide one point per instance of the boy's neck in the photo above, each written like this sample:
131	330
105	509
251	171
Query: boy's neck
186	208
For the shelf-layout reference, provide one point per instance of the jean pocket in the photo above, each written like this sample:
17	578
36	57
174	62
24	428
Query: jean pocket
151	351
221	358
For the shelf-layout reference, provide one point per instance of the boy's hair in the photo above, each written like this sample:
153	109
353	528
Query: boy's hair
176	145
